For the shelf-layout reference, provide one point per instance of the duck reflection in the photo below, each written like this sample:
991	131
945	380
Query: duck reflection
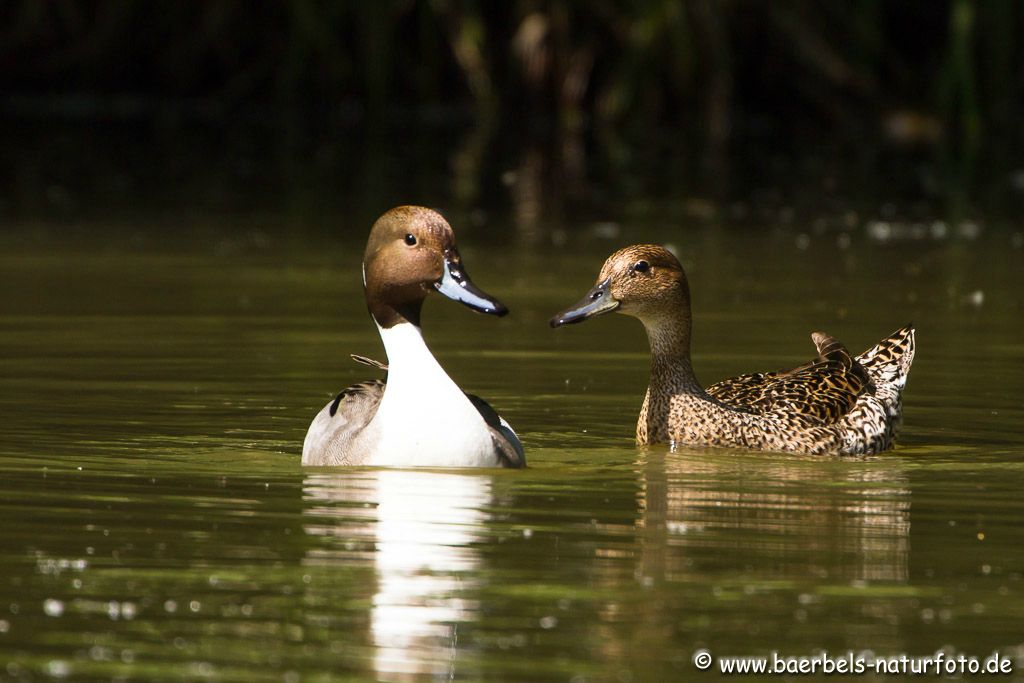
417	529
837	520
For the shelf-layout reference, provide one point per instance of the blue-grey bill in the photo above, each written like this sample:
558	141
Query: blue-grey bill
456	285
596	302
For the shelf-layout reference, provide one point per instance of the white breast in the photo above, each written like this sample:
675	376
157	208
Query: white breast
424	419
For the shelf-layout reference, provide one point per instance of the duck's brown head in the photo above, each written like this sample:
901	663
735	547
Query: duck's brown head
645	281
411	252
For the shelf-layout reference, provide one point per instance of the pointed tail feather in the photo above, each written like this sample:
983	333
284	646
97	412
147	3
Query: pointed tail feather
888	361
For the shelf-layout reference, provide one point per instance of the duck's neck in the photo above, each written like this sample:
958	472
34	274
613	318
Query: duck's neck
411	365
423	417
671	376
671	370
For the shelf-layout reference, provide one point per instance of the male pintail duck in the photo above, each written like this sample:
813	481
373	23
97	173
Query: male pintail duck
418	416
835	404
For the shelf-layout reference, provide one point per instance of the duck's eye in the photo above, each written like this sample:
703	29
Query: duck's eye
641	266
410	239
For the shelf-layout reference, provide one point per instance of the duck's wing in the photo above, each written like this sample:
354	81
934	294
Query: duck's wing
356	405
346	415
358	401
506	443
818	392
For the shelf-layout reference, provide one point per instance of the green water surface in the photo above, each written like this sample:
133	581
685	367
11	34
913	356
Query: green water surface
157	525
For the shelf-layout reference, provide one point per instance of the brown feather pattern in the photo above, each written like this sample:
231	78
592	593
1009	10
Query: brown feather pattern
834	404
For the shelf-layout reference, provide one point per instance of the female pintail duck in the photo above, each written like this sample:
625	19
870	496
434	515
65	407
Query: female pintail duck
419	416
834	404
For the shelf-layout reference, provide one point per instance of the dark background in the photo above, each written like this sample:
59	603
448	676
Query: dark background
311	114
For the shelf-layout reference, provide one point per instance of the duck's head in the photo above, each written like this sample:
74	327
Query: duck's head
645	281
411	252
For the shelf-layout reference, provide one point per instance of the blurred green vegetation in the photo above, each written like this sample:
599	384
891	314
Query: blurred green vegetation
936	79
603	63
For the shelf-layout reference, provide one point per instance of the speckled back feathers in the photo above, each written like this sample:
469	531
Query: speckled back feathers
836	403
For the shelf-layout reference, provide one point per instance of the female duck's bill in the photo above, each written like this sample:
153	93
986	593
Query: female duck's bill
597	301
419	416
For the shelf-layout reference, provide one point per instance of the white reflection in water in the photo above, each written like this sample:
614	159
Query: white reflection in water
422	526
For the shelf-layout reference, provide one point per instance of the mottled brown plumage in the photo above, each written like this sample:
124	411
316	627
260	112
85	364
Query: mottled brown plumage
819	392
836	403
